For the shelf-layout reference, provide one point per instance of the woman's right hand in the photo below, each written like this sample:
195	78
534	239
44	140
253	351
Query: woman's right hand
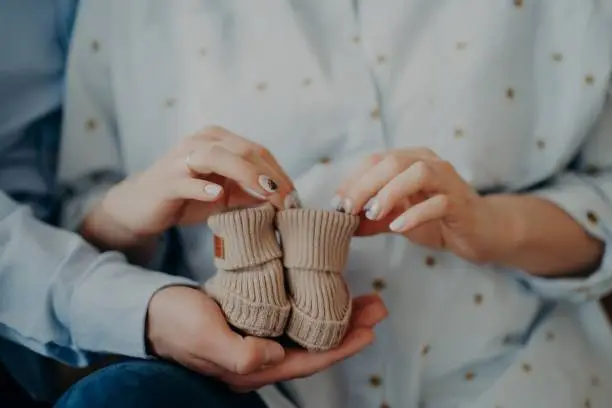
206	173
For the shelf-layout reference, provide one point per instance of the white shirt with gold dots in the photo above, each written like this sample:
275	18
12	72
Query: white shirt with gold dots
513	92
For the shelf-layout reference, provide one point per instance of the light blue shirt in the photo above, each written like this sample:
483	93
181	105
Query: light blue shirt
58	296
513	93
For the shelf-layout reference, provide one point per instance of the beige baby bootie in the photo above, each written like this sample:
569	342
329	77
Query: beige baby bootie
316	245
249	283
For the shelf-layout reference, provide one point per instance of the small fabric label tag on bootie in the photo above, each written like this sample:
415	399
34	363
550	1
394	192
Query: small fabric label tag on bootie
219	247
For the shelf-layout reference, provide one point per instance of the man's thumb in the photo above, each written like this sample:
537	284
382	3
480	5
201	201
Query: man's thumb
250	354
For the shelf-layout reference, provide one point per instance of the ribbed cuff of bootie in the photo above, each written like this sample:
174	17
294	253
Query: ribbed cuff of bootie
316	245
245	237
316	239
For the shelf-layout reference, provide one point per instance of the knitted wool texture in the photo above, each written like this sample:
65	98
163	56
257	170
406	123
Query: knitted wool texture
249	284
316	246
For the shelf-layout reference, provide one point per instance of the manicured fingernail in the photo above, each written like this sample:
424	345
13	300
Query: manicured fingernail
335	202
267	184
347	205
398	224
292	200
373	209
212	190
254	193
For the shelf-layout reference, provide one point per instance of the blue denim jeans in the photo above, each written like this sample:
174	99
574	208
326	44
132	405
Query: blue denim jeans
153	384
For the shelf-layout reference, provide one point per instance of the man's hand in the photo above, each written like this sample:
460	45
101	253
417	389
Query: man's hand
186	326
368	311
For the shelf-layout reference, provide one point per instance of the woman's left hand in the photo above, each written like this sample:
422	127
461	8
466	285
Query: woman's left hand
416	193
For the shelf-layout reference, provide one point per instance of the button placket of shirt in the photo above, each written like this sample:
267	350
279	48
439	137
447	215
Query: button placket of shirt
377	60
384	334
371	123
366	134
429	262
366	371
377	367
373	370
376	385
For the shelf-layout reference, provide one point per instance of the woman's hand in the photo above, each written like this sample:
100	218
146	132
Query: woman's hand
417	194
208	172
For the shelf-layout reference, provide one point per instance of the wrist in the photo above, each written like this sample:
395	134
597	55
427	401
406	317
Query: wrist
505	228
152	339
103	231
163	310
536	236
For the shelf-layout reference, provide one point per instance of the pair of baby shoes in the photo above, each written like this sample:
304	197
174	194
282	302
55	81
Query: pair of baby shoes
266	287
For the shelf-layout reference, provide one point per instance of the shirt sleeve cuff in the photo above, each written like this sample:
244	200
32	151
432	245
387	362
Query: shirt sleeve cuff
109	309
591	208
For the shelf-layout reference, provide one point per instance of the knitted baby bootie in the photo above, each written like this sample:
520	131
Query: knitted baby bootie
249	283
316	245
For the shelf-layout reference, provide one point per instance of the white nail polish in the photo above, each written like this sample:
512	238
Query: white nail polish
292	200
335	202
373	209
254	193
398	224
371	215
212	190
298	200
347	205
267	184
289	202
369	204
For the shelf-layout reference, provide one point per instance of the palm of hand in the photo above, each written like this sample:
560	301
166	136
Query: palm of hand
186	326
